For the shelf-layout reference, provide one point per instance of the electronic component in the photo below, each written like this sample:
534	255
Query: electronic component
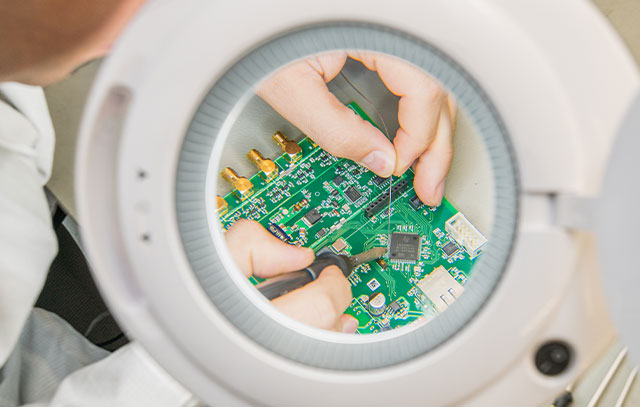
221	206
338	180
450	248
268	169
382	263
377	304
300	205
353	194
339	245
373	284
441	288
382	201
394	307
334	192
278	232
321	233
292	150
243	187
312	217
465	234
415	202
384	326
404	247
378	180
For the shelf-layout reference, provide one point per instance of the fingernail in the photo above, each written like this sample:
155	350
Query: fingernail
379	162
438	194
403	169
350	326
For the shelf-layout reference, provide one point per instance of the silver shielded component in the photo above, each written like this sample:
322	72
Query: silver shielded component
441	288
377	304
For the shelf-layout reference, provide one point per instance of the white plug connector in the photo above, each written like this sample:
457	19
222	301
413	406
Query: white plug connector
465	234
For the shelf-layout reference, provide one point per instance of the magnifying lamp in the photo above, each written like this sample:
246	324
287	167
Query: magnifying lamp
541	99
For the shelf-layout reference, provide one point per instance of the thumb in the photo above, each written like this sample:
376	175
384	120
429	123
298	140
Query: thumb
300	94
320	303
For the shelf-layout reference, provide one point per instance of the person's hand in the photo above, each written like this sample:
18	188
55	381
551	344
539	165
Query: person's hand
320	303
426	114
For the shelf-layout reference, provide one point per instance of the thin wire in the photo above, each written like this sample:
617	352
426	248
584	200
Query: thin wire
386	133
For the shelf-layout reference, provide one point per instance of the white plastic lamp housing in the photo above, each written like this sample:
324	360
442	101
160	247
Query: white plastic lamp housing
548	84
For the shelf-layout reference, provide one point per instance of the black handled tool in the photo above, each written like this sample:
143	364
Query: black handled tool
280	285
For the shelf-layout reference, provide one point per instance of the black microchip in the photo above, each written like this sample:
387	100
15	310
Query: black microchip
335	204
312	217
353	194
321	232
449	248
278	232
338	180
378	180
356	172
334	192
404	246
415	202
394	307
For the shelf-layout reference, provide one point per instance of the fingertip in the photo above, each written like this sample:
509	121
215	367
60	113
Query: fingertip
438	194
398	171
349	324
380	162
431	196
332	272
307	255
334	282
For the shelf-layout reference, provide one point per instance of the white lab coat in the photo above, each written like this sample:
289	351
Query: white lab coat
43	361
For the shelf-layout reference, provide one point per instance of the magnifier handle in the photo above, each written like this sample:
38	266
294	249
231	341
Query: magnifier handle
282	284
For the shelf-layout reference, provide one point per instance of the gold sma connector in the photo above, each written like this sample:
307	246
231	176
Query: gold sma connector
243	187
221	205
268	170
293	152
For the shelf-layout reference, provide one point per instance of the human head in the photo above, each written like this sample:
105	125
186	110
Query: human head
42	41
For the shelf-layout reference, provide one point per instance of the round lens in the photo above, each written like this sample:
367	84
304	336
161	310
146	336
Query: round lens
359	193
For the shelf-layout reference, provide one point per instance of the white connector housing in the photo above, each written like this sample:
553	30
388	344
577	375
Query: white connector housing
465	234
441	288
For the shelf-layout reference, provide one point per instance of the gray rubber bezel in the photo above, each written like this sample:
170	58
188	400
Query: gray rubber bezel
192	178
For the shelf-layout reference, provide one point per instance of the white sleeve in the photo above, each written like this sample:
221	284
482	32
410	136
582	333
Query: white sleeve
27	241
128	377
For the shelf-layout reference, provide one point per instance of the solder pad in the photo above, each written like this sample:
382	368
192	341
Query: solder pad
322	182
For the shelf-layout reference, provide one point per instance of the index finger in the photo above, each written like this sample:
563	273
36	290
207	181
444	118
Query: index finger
421	99
258	252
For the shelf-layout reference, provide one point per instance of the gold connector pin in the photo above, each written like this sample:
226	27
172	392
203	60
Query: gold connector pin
221	205
268	169
292	150
243	187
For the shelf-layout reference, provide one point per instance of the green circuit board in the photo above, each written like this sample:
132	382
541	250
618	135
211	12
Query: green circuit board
329	203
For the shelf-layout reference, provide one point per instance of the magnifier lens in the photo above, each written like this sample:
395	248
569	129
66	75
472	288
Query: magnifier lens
296	174
299	139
